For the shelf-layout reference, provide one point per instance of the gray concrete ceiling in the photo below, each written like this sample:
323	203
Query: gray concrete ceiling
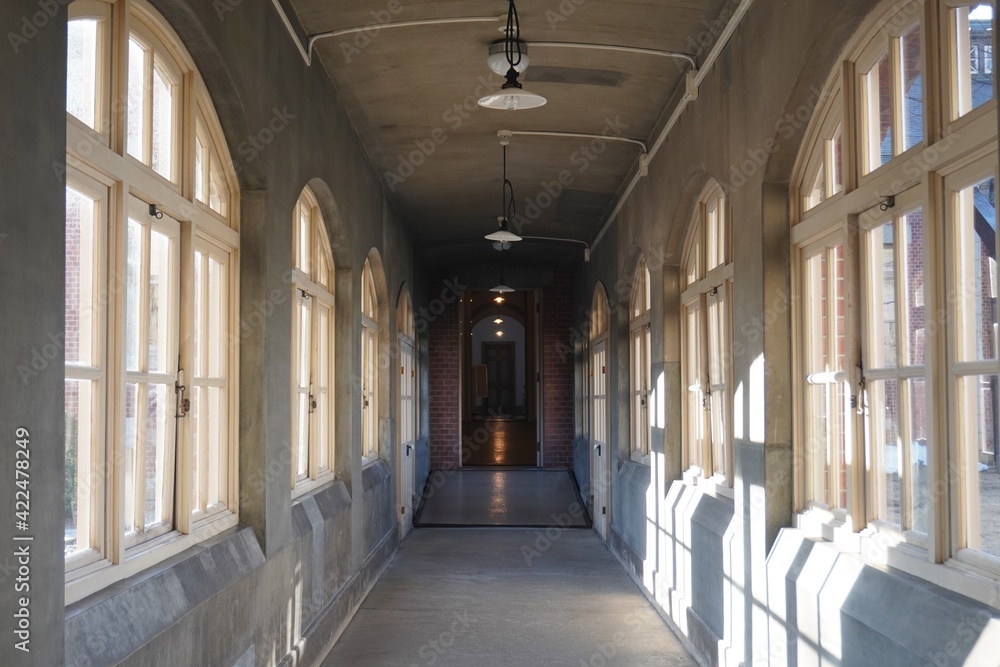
411	92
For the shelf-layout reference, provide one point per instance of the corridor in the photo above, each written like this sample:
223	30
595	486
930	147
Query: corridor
502	596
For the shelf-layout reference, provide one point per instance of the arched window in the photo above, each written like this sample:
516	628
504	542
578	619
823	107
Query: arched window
895	321
369	364
312	347
151	299
707	339
639	337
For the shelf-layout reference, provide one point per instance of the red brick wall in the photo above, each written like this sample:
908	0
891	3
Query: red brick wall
557	371
445	428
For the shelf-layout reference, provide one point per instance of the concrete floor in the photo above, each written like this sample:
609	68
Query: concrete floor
499	596
512	498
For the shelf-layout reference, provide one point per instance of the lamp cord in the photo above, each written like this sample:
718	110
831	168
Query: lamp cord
509	208
512	37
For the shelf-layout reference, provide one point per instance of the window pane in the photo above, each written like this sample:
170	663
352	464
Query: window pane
304	236
976	275
81	211
163	122
918	488
81	76
913	88
218	310
78	503
882	311
201	167
134	279
695	409
302	358
973	36
836	147
815	195
131	435
887	446
979	433
155	452
878	122
136	100
161	318
912	285
218	191
321	388
718	361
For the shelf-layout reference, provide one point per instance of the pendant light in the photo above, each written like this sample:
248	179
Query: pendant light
512	95
503	236
502	288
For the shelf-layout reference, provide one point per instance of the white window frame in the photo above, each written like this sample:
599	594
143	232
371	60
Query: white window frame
312	289
924	177
370	330
708	283
98	156
639	372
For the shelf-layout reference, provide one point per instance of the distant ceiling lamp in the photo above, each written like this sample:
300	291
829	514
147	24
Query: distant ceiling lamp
499	300
499	334
512	95
498	321
503	237
502	288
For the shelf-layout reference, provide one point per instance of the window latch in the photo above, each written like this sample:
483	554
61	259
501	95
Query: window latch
183	402
312	404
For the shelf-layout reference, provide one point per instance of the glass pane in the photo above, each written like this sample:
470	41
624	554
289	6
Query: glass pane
980	438
131	435
163	122
975	279
825	450
81	76
912	285
973	44
878	123
321	388
201	167
218	446
77	499
887	445
134	280
199	436
918	487
200	365
913	88
155	453
160	310
136	100
836	147
218	191
218	311
304	237
695	409
816	195
303	357
882	313
693	271
838	343
80	213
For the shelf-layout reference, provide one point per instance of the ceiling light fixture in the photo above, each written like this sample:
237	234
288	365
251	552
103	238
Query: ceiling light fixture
498	321
512	95
503	236
502	288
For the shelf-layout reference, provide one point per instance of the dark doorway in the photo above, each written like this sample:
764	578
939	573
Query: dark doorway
499	361
500	377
